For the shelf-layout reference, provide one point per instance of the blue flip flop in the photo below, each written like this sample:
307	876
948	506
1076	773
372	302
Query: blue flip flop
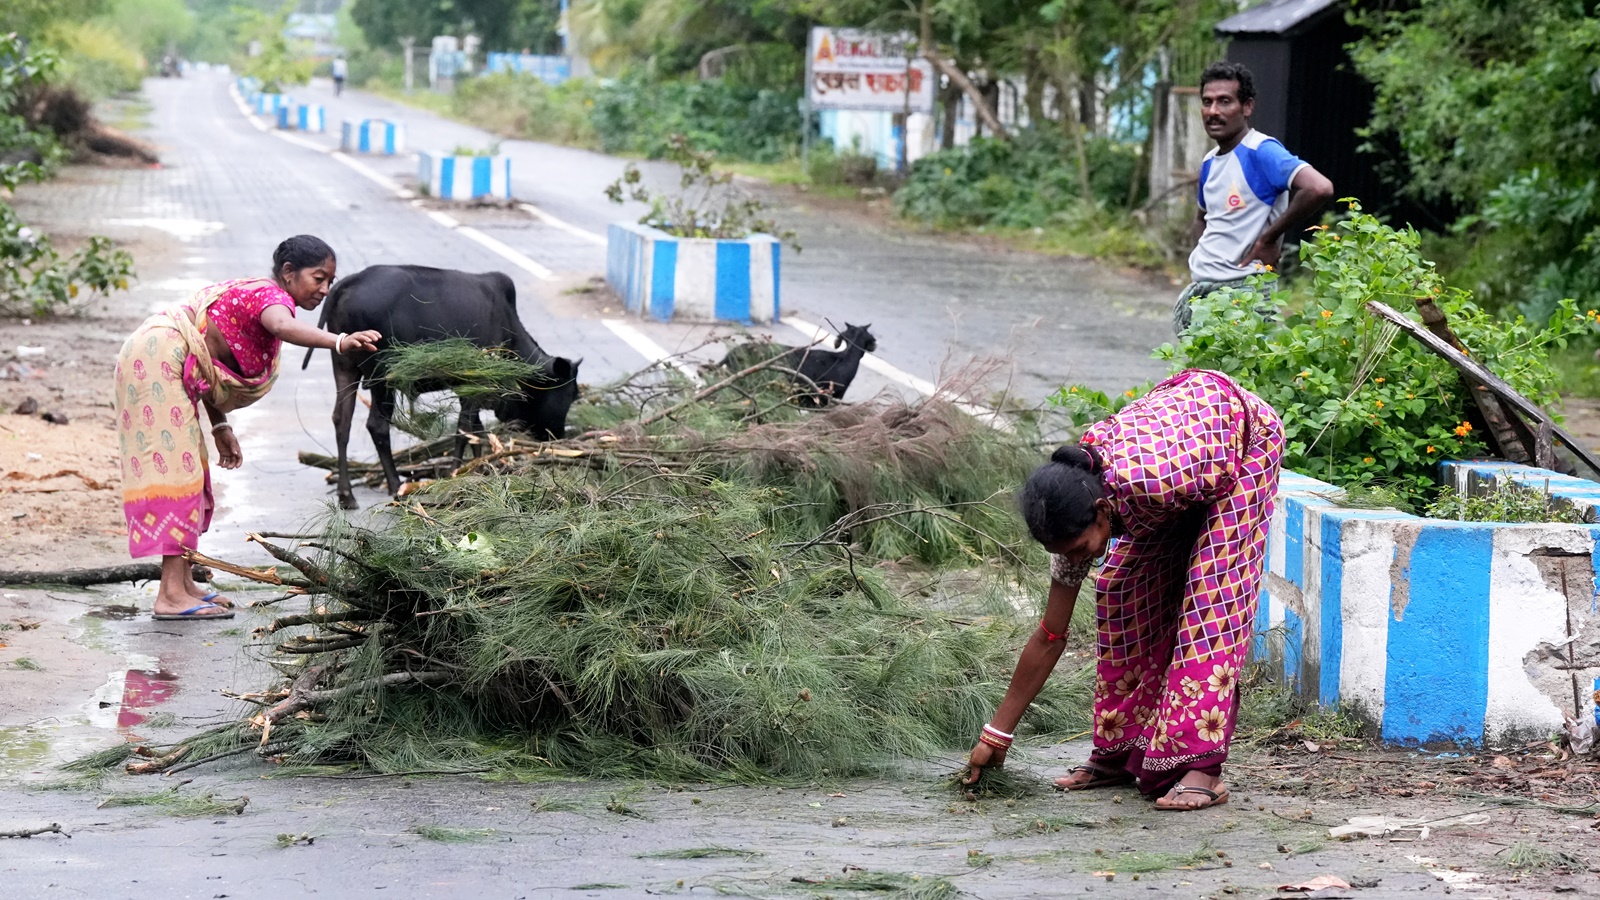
189	614
214	595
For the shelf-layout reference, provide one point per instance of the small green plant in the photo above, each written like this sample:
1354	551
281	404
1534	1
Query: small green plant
467	150
1528	856
707	204
1506	502
287	840
28	664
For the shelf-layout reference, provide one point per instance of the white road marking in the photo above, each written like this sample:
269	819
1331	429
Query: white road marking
644	346
373	175
299	141
568	227
922	386
515	257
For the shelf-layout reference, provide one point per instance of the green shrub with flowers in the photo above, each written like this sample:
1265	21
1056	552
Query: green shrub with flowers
1361	406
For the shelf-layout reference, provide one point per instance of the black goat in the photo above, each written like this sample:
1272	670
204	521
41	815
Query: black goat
823	375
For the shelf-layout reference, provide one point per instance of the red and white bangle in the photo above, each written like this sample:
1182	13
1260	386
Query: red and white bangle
994	737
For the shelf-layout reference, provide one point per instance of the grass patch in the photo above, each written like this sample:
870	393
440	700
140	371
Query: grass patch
895	884
101	760
702	853
1526	856
1508	501
173	803
552	804
447	834
1139	862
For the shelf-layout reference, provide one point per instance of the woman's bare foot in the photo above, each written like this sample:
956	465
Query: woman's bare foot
1196	790
188	607
1090	776
200	593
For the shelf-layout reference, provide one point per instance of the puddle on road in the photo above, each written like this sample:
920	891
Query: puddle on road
125	700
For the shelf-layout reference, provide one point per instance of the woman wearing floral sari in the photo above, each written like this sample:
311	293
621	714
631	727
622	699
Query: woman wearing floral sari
218	350
1183	479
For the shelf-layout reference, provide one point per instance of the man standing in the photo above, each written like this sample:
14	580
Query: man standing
1252	191
340	70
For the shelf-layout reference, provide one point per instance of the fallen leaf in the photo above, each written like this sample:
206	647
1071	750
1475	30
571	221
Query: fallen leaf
1503	762
1316	884
1312	746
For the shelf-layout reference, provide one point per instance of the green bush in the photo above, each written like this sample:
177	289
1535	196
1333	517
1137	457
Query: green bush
1029	181
96	60
636	115
527	107
1361	404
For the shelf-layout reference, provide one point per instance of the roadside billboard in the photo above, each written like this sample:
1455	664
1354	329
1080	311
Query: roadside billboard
850	69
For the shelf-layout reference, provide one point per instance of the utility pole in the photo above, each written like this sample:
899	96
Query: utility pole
405	45
566	49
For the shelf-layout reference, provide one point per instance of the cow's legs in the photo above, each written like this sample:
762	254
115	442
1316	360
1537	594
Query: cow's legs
346	381
378	426
468	423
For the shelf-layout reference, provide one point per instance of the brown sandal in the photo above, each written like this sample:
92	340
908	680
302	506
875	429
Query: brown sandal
1214	798
1102	778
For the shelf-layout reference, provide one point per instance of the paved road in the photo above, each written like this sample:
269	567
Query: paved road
231	191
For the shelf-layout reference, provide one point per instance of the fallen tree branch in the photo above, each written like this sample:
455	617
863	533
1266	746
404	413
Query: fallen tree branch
707	391
100	575
321	619
301	697
52	828
264	574
307	568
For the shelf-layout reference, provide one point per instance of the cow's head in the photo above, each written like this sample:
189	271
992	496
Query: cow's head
545	400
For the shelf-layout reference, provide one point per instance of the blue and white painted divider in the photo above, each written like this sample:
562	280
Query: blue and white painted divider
464	177
379	136
268	104
247	85
1434	630
695	279
303	117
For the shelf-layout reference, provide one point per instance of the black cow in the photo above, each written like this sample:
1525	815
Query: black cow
830	371
417	304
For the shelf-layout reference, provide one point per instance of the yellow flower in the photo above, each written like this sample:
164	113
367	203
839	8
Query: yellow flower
1222	680
1368	460
1430	448
1128	393
1269	268
1327	314
1411	396
1211	725
1110	724
1379	380
1380	404
1464	429
1306	374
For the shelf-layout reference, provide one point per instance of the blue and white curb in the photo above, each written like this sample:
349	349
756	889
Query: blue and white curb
377	136
464	177
269	104
694	279
1434	630
308	117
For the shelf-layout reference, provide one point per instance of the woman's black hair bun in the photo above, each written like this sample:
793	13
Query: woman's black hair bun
1074	456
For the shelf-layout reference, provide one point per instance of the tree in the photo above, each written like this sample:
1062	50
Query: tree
1493	105
502	24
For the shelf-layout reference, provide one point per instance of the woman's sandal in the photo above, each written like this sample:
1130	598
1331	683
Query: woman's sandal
1102	778
195	613
1214	798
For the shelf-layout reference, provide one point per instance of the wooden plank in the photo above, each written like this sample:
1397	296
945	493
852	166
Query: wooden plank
1488	379
1507	437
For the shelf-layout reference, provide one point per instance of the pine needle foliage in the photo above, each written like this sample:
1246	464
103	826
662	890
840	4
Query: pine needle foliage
711	601
457	365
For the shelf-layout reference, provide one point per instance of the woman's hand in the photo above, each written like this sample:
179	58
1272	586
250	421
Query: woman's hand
984	756
360	340
229	455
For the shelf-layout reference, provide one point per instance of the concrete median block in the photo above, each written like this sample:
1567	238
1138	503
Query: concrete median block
266	104
1436	630
308	117
377	136
451	177
694	279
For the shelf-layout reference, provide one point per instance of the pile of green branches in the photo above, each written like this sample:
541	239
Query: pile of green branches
688	595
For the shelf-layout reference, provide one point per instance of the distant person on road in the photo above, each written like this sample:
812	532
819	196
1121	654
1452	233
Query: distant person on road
1174	492
1252	191
341	70
218	350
